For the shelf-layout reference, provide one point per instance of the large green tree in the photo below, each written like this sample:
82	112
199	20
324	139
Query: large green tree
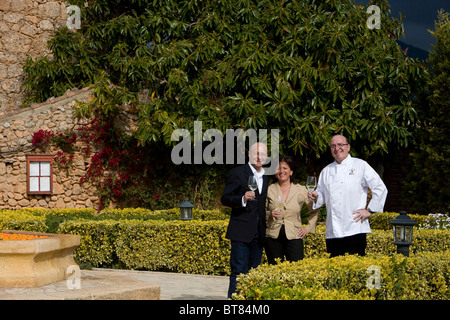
309	68
428	186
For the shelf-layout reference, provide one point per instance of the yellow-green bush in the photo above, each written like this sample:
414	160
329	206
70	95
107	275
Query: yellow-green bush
116	214
381	241
382	220
180	246
97	240
200	246
197	214
424	275
124	238
21	220
377	220
189	247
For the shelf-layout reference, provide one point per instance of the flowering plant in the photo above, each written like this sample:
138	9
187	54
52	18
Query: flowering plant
65	141
437	221
42	137
118	167
123	168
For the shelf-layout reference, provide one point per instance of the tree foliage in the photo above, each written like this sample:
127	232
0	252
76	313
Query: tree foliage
309	68
428	184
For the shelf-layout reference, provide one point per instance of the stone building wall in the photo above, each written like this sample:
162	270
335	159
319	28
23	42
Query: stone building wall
16	134
25	28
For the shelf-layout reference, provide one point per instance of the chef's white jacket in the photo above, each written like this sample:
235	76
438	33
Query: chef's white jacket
343	189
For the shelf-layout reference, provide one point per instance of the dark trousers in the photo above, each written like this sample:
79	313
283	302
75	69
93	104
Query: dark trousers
355	244
244	256
284	249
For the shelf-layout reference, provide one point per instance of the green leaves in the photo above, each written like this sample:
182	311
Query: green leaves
431	162
311	69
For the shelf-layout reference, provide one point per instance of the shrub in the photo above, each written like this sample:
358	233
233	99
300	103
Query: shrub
157	240
188	247
437	221
200	246
180	246
382	220
97	241
21	220
381	241
422	276
48	220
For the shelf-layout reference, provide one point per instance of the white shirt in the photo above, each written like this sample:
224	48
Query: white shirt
343	188
259	180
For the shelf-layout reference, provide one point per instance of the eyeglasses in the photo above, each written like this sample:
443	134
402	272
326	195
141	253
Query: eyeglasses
340	145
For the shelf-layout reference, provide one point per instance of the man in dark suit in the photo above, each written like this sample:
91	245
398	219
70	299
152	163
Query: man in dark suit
247	229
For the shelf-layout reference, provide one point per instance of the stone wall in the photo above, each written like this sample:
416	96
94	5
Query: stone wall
25	28
16	135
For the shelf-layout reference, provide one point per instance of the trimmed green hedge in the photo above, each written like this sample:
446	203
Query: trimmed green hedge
382	220
157	240
22	220
425	275
48	220
180	246
188	247
200	246
382	241
143	239
97	241
30	218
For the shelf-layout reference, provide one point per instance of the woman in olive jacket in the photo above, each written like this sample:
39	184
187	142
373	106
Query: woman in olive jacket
284	232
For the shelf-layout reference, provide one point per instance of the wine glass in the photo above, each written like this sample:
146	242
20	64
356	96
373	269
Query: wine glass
279	205
311	183
252	185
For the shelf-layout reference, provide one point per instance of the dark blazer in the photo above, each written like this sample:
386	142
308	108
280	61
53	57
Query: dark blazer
245	222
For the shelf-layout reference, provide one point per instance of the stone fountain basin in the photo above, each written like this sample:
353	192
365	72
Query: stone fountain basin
37	262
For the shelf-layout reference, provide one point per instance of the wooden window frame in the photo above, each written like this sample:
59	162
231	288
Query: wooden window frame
39	158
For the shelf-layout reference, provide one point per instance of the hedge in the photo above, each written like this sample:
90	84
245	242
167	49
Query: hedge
97	241
21	220
381	220
188	247
382	241
200	246
132	238
424	275
30	216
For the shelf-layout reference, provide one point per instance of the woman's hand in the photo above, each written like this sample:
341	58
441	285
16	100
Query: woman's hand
276	214
302	232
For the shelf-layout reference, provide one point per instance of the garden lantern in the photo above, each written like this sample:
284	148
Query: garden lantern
186	210
403	230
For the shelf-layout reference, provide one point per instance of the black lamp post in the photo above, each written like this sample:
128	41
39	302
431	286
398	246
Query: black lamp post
403	230
186	210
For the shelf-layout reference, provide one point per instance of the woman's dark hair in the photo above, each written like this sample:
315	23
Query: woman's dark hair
291	163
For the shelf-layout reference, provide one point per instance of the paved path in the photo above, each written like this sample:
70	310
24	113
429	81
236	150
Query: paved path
127	284
180	286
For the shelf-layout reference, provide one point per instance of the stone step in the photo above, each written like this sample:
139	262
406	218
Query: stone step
93	285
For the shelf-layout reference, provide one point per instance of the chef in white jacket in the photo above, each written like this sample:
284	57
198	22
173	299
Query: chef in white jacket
343	186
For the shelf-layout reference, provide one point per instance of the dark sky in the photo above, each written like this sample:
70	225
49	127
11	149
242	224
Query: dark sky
419	16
